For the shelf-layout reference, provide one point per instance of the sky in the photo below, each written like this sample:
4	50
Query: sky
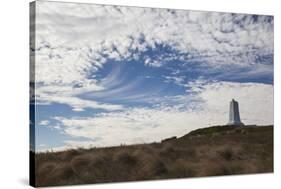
112	75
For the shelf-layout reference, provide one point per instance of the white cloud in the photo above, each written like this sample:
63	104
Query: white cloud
71	38
179	80
209	107
76	103
65	94
152	63
255	101
44	122
75	40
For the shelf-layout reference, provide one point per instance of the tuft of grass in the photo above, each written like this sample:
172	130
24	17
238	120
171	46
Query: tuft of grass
90	167
125	158
149	165
227	154
50	174
181	168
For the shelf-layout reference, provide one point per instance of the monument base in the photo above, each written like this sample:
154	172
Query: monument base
236	124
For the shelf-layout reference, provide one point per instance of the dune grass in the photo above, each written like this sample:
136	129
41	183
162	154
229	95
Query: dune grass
221	150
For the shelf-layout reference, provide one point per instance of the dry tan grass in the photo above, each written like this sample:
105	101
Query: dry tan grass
205	152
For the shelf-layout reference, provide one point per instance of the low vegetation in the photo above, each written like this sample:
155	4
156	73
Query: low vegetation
220	150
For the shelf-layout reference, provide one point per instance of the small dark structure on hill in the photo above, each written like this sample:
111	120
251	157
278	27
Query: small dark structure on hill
234	116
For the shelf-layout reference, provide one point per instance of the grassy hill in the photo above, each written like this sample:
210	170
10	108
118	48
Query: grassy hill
213	151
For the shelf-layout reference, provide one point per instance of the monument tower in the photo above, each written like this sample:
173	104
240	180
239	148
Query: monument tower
234	116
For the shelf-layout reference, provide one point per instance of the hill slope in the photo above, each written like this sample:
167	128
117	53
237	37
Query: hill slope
220	150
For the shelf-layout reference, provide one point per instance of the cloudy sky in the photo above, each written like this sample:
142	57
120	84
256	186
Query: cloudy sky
111	75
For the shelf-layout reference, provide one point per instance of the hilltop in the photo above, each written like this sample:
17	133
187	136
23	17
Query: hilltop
212	151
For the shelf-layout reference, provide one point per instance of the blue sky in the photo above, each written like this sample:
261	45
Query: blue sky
110	75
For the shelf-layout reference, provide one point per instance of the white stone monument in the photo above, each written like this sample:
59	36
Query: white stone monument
234	116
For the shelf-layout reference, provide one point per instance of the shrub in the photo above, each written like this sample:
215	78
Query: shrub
149	165
51	174
91	168
125	158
